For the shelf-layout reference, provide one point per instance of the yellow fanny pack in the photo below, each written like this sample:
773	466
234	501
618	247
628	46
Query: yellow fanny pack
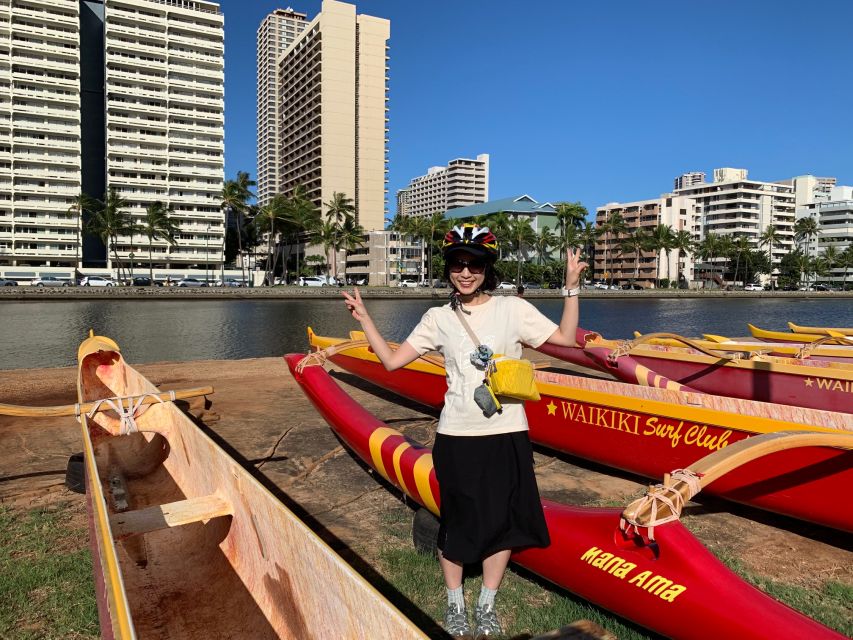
512	377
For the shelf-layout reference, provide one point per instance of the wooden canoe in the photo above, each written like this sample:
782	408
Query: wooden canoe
785	336
745	346
187	544
801	382
673	586
649	431
823	331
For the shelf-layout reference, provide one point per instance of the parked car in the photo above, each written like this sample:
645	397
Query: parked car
144	281
50	281
97	281
230	282
822	287
532	285
313	281
191	282
752	286
506	285
408	283
5	282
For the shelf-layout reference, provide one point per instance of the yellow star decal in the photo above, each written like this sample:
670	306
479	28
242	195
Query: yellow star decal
552	408
809	382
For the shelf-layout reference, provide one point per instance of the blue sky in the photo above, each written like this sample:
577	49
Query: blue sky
597	101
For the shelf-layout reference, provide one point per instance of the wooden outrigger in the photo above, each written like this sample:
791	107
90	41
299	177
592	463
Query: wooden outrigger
651	571
801	338
823	331
187	544
648	431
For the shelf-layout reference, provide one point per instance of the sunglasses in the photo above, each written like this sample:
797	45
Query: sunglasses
476	267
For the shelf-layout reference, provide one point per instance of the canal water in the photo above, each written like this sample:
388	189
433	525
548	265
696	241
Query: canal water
46	334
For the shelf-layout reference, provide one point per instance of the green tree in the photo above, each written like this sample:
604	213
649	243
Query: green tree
804	230
726	249
742	246
499	224
683	245
109	221
436	227
832	257
158	225
589	235
612	228
522	236
707	249
570	215
272	219
845	261
350	237
661	240
635	242
234	200
770	237
545	240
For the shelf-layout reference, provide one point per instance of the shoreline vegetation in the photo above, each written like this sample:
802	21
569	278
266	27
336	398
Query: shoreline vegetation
295	292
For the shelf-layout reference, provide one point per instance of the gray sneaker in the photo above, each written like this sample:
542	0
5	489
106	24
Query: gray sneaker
456	622
486	622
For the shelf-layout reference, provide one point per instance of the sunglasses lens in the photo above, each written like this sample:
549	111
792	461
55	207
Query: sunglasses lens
476	267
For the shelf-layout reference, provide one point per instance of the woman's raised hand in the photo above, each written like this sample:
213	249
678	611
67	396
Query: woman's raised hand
355	305
574	268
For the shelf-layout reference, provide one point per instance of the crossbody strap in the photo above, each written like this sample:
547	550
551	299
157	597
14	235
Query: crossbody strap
465	324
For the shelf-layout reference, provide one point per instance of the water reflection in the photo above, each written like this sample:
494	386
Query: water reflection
46	334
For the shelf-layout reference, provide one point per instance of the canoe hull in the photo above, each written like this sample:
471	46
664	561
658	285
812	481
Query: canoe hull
622	431
680	590
192	546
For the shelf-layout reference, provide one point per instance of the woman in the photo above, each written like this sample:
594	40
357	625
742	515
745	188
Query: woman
484	465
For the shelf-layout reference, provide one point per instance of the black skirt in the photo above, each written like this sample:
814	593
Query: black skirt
489	498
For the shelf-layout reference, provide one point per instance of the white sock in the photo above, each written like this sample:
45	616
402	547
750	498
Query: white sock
457	597
487	597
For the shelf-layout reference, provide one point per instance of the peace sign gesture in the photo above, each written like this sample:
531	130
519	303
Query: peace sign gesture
355	305
574	268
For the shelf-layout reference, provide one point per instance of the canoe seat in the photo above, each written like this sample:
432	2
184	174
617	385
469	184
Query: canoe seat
163	516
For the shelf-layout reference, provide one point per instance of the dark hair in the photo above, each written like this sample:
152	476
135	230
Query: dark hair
490	280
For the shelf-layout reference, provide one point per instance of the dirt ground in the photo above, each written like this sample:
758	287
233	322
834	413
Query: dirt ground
263	420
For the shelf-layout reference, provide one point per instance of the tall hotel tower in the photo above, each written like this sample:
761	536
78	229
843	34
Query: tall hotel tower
101	94
275	34
332	133
39	130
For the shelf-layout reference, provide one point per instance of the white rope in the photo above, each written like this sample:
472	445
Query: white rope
127	414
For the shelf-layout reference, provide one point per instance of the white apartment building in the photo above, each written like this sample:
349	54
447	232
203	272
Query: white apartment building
735	205
611	262
164	84
835	226
809	189
689	179
335	73
39	131
277	31
463	182
386	258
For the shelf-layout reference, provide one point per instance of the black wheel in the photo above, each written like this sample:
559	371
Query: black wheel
88	284
75	474
40	284
425	531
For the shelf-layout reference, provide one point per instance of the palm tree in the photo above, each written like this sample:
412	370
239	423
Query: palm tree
660	240
741	247
157	224
770	236
109	221
726	248
589	234
683	244
499	224
81	203
326	234
707	249
545	240
271	219
234	197
570	215
304	216
832	257
613	227
338	207
350	237
436	227
805	229
845	261
521	235
635	243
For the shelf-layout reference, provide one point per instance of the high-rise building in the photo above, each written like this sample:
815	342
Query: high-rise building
615	261
164	84
461	183
335	73
809	189
733	205
123	95
39	132
689	179
275	34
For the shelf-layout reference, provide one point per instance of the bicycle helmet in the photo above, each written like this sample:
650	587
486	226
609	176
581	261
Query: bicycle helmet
472	238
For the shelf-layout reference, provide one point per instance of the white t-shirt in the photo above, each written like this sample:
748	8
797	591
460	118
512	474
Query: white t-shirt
503	324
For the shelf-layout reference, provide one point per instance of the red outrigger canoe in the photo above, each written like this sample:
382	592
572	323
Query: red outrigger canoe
650	431
673	586
801	382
